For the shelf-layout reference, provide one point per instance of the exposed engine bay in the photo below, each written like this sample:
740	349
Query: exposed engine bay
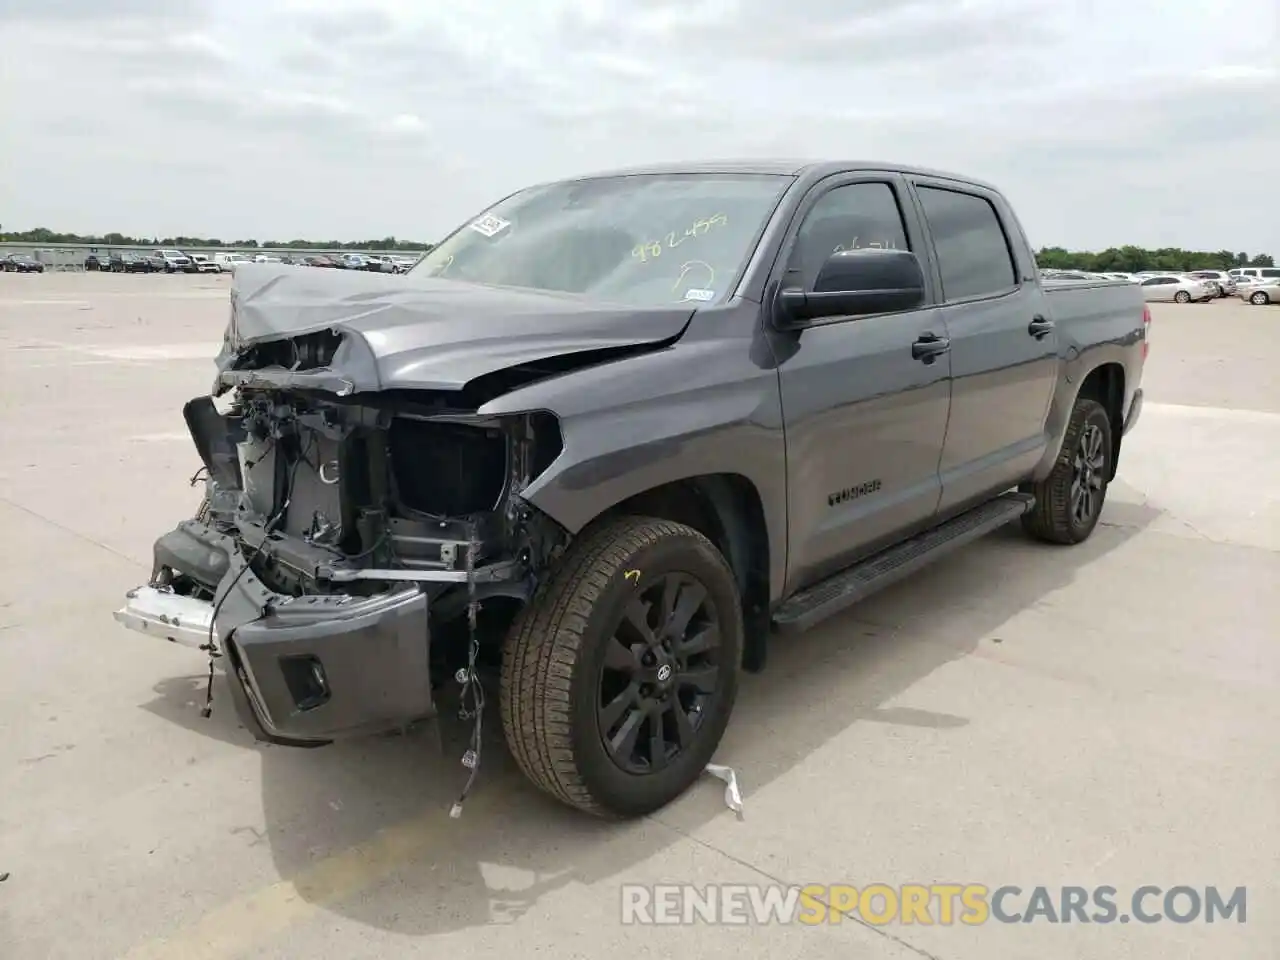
360	494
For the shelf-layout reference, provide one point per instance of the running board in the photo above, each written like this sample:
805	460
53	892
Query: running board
855	583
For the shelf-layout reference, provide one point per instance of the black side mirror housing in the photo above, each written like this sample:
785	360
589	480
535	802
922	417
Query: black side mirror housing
857	283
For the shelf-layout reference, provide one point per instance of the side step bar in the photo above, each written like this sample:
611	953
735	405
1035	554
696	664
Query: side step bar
855	583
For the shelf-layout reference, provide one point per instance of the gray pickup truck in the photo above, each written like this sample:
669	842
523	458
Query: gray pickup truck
619	435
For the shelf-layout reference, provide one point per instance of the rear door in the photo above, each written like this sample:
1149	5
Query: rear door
865	414
1004	347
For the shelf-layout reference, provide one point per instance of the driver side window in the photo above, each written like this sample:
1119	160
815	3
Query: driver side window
855	216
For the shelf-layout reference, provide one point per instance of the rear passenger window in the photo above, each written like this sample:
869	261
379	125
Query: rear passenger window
973	252
1268	272
853	217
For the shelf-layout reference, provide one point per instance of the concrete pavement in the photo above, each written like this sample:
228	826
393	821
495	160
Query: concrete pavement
1105	714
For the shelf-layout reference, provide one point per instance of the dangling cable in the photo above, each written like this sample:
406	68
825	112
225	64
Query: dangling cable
471	687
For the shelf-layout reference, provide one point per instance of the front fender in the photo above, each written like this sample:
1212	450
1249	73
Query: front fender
701	407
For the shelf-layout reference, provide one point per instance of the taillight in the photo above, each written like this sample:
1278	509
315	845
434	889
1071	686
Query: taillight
1146	330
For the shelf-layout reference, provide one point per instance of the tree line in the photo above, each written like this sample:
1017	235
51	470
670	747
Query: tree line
43	235
1132	259
1126	259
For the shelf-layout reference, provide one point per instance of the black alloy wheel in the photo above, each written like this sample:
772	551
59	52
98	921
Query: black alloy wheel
1088	475
1069	500
660	675
620	674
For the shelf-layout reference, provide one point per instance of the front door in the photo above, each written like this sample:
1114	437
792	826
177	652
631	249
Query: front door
1004	347
864	418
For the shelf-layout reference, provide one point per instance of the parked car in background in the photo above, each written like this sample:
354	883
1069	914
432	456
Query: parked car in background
379	264
204	263
265	258
174	261
97	261
1254	273
404	264
226	262
321	261
1176	287
1225	283
21	263
1262	292
145	263
351	261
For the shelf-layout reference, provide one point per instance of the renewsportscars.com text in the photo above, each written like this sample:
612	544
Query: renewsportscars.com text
970	904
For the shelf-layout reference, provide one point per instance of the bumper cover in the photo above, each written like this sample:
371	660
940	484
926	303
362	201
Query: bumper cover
303	671
1135	411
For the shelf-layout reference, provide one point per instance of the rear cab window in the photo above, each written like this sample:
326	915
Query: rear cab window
975	257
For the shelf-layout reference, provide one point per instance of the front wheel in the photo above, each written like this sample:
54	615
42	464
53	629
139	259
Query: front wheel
1182	296
619	676
1260	298
1069	501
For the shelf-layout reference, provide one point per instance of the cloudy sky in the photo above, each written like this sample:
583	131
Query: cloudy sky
1154	122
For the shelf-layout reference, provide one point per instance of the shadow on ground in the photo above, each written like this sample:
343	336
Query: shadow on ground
416	872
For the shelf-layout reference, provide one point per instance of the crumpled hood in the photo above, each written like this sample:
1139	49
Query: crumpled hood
425	333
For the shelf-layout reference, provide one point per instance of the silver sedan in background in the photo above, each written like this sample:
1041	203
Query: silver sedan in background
1225	283
1177	287
1262	292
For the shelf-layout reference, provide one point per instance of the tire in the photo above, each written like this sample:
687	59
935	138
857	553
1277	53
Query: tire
1055	517
1182	296
1260	298
556	682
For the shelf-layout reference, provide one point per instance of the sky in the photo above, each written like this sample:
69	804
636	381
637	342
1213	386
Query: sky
1154	122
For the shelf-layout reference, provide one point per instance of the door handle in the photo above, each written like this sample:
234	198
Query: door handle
1040	327
929	347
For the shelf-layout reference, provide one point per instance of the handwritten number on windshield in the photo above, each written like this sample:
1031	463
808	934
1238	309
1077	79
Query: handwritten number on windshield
651	250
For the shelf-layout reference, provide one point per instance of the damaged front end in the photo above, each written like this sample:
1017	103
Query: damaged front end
340	539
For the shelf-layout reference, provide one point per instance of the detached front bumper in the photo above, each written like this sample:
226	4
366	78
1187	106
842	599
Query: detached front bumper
303	671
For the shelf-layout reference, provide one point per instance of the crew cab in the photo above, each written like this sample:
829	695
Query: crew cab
622	435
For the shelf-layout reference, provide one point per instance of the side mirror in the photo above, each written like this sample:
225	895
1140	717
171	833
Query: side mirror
857	283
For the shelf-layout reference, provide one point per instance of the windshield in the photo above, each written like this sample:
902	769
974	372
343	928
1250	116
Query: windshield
644	240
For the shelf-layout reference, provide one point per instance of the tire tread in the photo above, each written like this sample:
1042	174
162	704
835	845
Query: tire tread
1050	518
545	644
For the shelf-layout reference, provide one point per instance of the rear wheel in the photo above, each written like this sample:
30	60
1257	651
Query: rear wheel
618	678
1069	501
1260	298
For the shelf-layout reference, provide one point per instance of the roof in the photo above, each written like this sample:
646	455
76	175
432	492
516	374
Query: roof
814	169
